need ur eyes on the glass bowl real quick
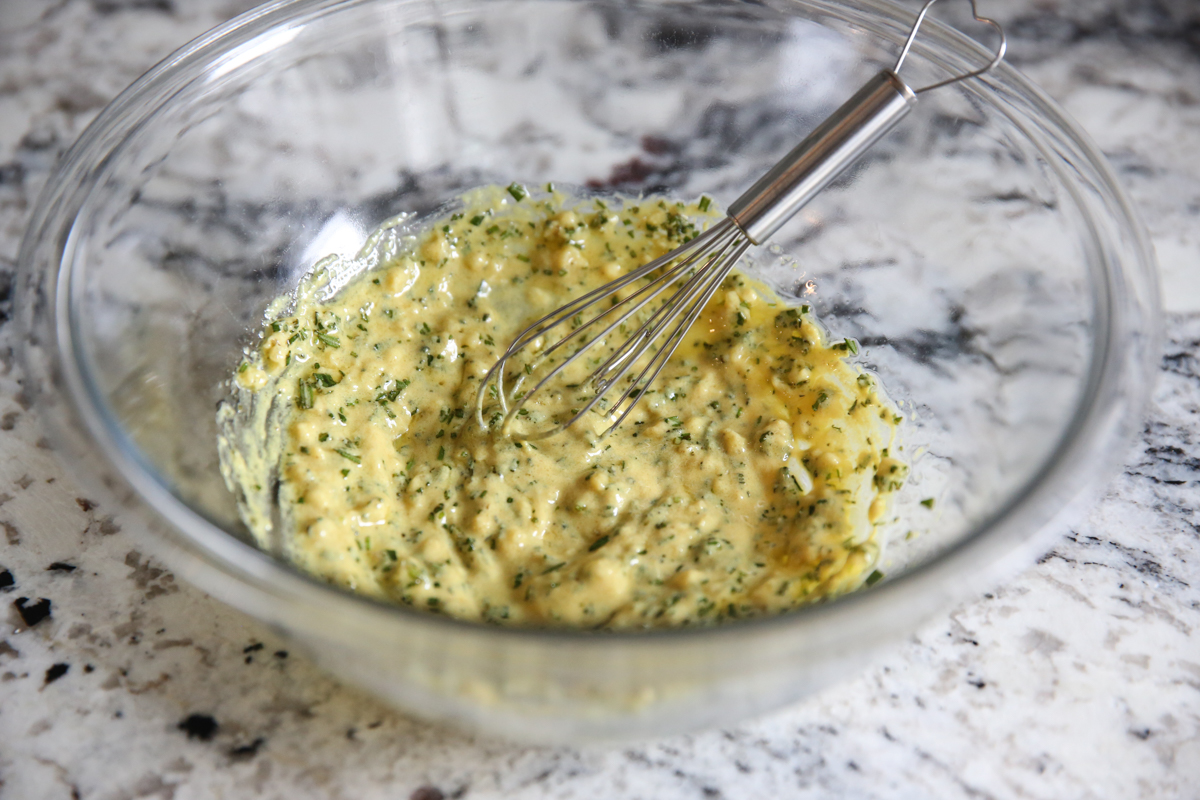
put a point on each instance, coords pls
(983, 255)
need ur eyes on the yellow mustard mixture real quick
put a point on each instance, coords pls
(751, 479)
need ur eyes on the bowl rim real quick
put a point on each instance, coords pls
(1098, 431)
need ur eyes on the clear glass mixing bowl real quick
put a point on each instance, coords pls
(983, 254)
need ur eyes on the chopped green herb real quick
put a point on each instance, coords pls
(788, 474)
(849, 345)
(327, 340)
(596, 545)
(391, 394)
(348, 456)
(519, 193)
(304, 397)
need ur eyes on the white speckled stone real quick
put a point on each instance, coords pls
(1079, 679)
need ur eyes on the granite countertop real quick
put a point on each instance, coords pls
(1080, 678)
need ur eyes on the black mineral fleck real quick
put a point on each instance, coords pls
(251, 650)
(6, 581)
(55, 672)
(199, 726)
(32, 612)
(106, 7)
(247, 751)
(60, 566)
(427, 793)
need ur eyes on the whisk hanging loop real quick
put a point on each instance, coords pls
(997, 56)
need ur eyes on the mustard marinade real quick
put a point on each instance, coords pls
(751, 479)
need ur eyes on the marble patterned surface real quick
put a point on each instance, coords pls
(1080, 678)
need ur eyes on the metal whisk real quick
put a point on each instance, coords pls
(703, 263)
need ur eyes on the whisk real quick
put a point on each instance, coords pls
(703, 262)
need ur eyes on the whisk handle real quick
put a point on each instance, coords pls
(822, 156)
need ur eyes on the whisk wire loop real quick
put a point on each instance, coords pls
(650, 329)
(628, 353)
(555, 318)
(712, 280)
(694, 256)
